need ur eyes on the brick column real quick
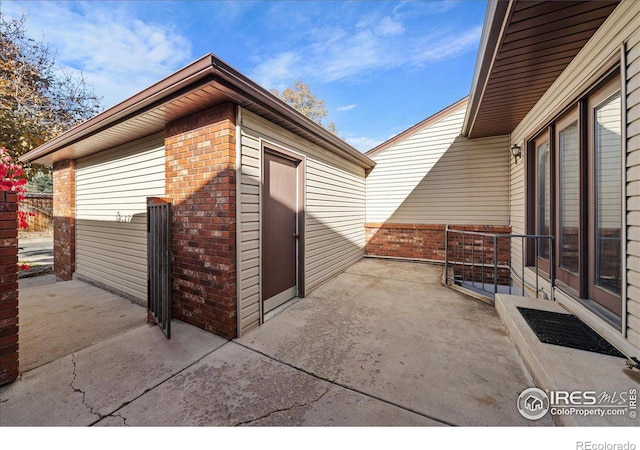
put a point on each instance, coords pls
(201, 180)
(8, 287)
(64, 219)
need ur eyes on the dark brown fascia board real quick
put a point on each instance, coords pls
(183, 77)
(418, 127)
(254, 93)
(208, 65)
(495, 21)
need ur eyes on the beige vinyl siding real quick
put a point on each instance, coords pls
(334, 212)
(622, 26)
(111, 221)
(633, 184)
(437, 177)
(249, 233)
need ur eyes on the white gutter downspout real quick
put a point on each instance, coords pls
(238, 217)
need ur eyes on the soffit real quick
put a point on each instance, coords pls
(538, 41)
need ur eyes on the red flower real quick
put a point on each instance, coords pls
(12, 178)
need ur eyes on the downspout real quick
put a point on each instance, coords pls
(509, 212)
(238, 218)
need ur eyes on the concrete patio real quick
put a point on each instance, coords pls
(381, 344)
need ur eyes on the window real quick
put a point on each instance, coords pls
(569, 233)
(577, 197)
(543, 198)
(605, 197)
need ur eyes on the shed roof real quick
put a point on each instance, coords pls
(525, 46)
(200, 85)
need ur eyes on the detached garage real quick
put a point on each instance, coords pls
(267, 204)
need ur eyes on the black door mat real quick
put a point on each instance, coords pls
(566, 330)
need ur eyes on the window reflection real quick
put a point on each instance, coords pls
(569, 165)
(544, 199)
(608, 168)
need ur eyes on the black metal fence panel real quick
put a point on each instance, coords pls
(159, 263)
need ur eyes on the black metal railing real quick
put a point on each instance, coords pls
(482, 262)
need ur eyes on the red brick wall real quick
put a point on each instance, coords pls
(200, 178)
(427, 242)
(8, 287)
(64, 222)
(415, 240)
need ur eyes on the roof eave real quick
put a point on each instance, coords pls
(257, 94)
(173, 83)
(495, 20)
(208, 65)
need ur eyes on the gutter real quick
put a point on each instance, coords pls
(225, 75)
(183, 77)
(260, 96)
(495, 23)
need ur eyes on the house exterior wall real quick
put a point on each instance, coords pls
(633, 183)
(201, 180)
(334, 211)
(431, 179)
(9, 360)
(111, 214)
(622, 26)
(64, 219)
(437, 177)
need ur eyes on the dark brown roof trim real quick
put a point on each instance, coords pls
(123, 110)
(202, 71)
(495, 20)
(419, 126)
(254, 93)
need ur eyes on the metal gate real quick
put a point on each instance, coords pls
(159, 263)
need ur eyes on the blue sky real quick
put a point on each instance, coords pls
(380, 66)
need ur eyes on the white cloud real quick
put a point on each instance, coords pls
(372, 45)
(118, 54)
(450, 47)
(347, 107)
(275, 72)
(362, 143)
(389, 27)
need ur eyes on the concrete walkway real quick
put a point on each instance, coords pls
(59, 318)
(381, 344)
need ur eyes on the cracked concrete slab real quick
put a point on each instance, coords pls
(235, 386)
(44, 397)
(80, 388)
(416, 344)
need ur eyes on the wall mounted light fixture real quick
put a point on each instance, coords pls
(516, 151)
